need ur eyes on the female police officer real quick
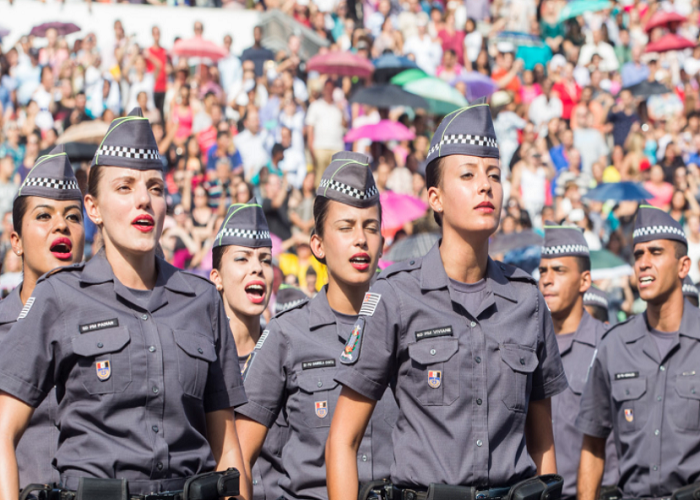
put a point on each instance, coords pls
(468, 341)
(294, 362)
(141, 354)
(47, 215)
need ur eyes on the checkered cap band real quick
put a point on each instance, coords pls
(243, 233)
(658, 230)
(50, 183)
(349, 190)
(134, 153)
(589, 298)
(473, 140)
(690, 289)
(568, 249)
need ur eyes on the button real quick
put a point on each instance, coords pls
(478, 401)
(155, 428)
(100, 345)
(656, 432)
(155, 390)
(200, 350)
(662, 368)
(658, 398)
(144, 317)
(412, 262)
(433, 352)
(151, 348)
(319, 383)
(627, 392)
(522, 361)
(159, 466)
(255, 482)
(364, 458)
(478, 359)
(472, 324)
(479, 443)
(655, 467)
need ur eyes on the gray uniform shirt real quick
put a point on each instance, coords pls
(463, 379)
(293, 370)
(652, 405)
(36, 449)
(577, 357)
(133, 385)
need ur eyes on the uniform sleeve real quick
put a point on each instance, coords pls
(27, 351)
(549, 378)
(374, 364)
(595, 416)
(224, 387)
(266, 378)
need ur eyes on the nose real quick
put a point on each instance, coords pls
(361, 237)
(143, 196)
(545, 279)
(61, 225)
(484, 183)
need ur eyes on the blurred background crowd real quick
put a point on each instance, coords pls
(596, 106)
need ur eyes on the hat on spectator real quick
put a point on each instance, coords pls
(653, 223)
(501, 98)
(51, 177)
(557, 61)
(245, 225)
(689, 288)
(595, 297)
(287, 297)
(563, 241)
(129, 143)
(467, 131)
(505, 47)
(348, 179)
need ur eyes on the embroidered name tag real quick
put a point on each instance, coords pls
(688, 374)
(99, 325)
(626, 375)
(321, 363)
(443, 331)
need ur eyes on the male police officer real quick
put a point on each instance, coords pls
(644, 384)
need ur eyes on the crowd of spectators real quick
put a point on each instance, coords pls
(259, 125)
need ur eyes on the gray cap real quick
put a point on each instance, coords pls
(348, 179)
(653, 223)
(51, 177)
(689, 288)
(595, 297)
(245, 225)
(129, 143)
(287, 297)
(563, 241)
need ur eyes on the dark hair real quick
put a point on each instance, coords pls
(217, 253)
(598, 312)
(276, 149)
(19, 208)
(94, 179)
(583, 263)
(681, 249)
(433, 178)
(222, 133)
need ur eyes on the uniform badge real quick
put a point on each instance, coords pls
(104, 370)
(352, 347)
(434, 378)
(369, 304)
(321, 409)
(27, 307)
(629, 415)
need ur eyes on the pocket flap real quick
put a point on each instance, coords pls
(101, 342)
(317, 380)
(520, 359)
(688, 387)
(427, 352)
(196, 345)
(627, 390)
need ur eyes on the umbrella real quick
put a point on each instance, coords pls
(61, 28)
(478, 85)
(341, 63)
(607, 265)
(390, 65)
(387, 96)
(579, 7)
(647, 89)
(385, 130)
(442, 98)
(398, 209)
(199, 47)
(526, 258)
(669, 42)
(518, 39)
(504, 243)
(412, 247)
(619, 191)
(90, 132)
(664, 18)
(4, 32)
(408, 76)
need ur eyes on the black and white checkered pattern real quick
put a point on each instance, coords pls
(661, 230)
(589, 297)
(50, 183)
(244, 233)
(565, 249)
(349, 190)
(474, 140)
(692, 289)
(134, 153)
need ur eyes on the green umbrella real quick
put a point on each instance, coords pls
(408, 76)
(607, 265)
(441, 96)
(579, 7)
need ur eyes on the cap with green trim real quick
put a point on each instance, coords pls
(245, 225)
(563, 241)
(129, 143)
(653, 223)
(51, 177)
(348, 179)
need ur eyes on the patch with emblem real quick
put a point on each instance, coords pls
(629, 415)
(99, 325)
(321, 409)
(369, 304)
(103, 368)
(443, 331)
(321, 363)
(261, 340)
(352, 346)
(434, 378)
(27, 307)
(626, 375)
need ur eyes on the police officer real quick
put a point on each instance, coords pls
(690, 291)
(48, 233)
(288, 296)
(644, 384)
(595, 302)
(141, 355)
(295, 361)
(468, 341)
(565, 278)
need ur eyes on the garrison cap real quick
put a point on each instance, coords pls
(245, 225)
(563, 241)
(129, 143)
(595, 297)
(689, 288)
(653, 223)
(287, 297)
(348, 179)
(467, 131)
(51, 177)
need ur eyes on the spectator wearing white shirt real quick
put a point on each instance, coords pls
(589, 141)
(230, 68)
(426, 51)
(603, 49)
(544, 107)
(294, 162)
(254, 145)
(325, 125)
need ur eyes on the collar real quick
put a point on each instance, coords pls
(689, 322)
(11, 306)
(586, 331)
(320, 312)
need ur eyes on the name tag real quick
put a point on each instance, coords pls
(626, 375)
(99, 325)
(443, 331)
(321, 363)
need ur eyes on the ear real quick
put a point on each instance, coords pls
(316, 244)
(684, 267)
(92, 209)
(16, 243)
(585, 282)
(435, 199)
(217, 279)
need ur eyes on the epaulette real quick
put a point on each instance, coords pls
(188, 273)
(296, 304)
(61, 269)
(514, 273)
(406, 265)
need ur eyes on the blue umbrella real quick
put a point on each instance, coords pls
(390, 65)
(619, 191)
(478, 85)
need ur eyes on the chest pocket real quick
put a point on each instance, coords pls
(630, 405)
(688, 415)
(518, 364)
(570, 400)
(104, 360)
(435, 371)
(318, 396)
(193, 357)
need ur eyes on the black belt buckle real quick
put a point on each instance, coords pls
(212, 485)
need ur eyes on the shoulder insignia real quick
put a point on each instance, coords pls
(370, 303)
(297, 304)
(351, 353)
(61, 269)
(406, 265)
(513, 273)
(27, 307)
(261, 340)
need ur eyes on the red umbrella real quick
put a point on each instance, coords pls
(664, 18)
(199, 47)
(669, 42)
(385, 130)
(341, 63)
(61, 28)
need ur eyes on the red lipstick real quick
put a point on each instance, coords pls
(144, 223)
(360, 261)
(61, 248)
(485, 207)
(256, 291)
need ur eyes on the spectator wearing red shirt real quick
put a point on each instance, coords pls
(505, 74)
(452, 39)
(156, 60)
(568, 90)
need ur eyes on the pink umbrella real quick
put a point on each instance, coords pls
(276, 245)
(385, 130)
(669, 42)
(664, 18)
(398, 209)
(341, 63)
(199, 47)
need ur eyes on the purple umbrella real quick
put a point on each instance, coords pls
(4, 32)
(385, 130)
(62, 28)
(478, 85)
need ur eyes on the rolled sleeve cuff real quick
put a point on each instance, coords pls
(231, 398)
(592, 428)
(551, 388)
(258, 413)
(21, 390)
(358, 382)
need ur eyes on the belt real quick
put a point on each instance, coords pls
(466, 492)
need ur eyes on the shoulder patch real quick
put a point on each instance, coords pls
(513, 273)
(351, 352)
(370, 303)
(27, 307)
(62, 269)
(297, 304)
(261, 340)
(403, 266)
